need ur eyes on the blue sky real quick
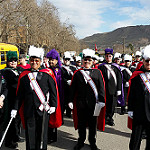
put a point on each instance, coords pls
(97, 16)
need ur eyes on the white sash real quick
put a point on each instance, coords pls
(39, 93)
(128, 71)
(68, 70)
(112, 73)
(145, 81)
(92, 84)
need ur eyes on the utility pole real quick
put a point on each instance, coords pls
(123, 44)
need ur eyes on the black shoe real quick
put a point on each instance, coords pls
(110, 123)
(122, 113)
(51, 141)
(11, 145)
(19, 139)
(78, 146)
(69, 115)
(93, 147)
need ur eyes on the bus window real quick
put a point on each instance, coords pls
(3, 58)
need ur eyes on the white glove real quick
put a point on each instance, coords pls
(118, 93)
(69, 82)
(51, 110)
(101, 104)
(130, 114)
(70, 105)
(126, 84)
(13, 113)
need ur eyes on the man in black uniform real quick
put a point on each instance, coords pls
(127, 71)
(67, 71)
(139, 103)
(37, 89)
(88, 88)
(113, 83)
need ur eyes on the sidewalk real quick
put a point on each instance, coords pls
(113, 138)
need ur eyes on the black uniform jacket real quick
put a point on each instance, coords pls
(31, 100)
(66, 75)
(12, 81)
(126, 75)
(85, 95)
(111, 88)
(139, 99)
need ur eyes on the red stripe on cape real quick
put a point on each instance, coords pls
(101, 117)
(55, 120)
(135, 73)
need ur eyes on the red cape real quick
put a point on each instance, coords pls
(135, 73)
(55, 120)
(100, 118)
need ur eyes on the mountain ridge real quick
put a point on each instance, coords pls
(119, 39)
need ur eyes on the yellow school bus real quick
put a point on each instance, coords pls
(4, 48)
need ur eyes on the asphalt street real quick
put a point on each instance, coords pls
(113, 138)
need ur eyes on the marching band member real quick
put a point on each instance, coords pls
(113, 82)
(127, 71)
(55, 64)
(87, 90)
(139, 103)
(67, 70)
(37, 91)
(11, 74)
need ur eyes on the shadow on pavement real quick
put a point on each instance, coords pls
(117, 132)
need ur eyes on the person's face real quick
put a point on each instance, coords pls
(78, 63)
(22, 60)
(67, 61)
(53, 62)
(127, 63)
(45, 60)
(117, 60)
(87, 62)
(12, 63)
(108, 58)
(146, 64)
(35, 63)
(95, 61)
(138, 58)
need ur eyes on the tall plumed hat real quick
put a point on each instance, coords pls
(67, 55)
(117, 55)
(146, 52)
(88, 53)
(54, 55)
(109, 51)
(138, 53)
(12, 55)
(36, 52)
(96, 57)
(78, 58)
(128, 57)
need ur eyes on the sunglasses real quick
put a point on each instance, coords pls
(147, 61)
(13, 59)
(67, 59)
(108, 56)
(34, 60)
(85, 59)
(127, 61)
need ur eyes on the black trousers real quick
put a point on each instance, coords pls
(111, 102)
(137, 129)
(33, 131)
(85, 117)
